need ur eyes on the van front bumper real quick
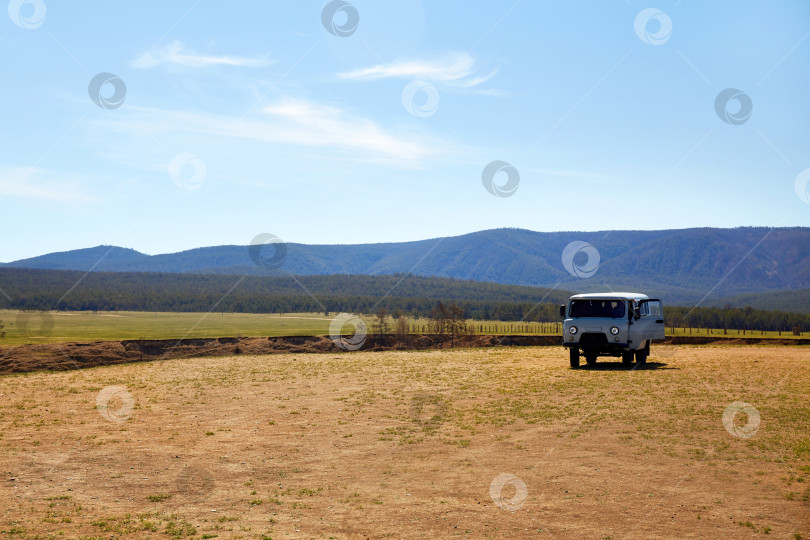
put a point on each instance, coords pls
(572, 345)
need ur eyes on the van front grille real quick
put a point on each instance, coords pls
(593, 338)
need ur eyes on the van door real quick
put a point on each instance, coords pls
(652, 319)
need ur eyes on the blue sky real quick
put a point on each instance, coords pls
(253, 118)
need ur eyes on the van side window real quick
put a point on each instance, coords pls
(654, 308)
(644, 309)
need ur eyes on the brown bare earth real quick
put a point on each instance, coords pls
(470, 443)
(74, 355)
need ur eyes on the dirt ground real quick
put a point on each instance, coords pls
(78, 355)
(702, 442)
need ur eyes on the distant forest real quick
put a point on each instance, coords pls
(416, 296)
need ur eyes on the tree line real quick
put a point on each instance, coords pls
(413, 296)
(746, 318)
(31, 289)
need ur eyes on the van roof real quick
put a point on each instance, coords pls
(611, 295)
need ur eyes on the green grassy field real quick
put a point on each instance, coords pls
(55, 327)
(731, 333)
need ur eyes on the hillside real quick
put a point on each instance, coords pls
(796, 301)
(683, 265)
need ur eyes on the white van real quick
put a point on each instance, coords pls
(611, 324)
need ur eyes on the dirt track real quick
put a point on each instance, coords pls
(412, 445)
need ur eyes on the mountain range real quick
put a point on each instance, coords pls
(704, 265)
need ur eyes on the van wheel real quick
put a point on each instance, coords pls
(574, 357)
(590, 359)
(641, 356)
(627, 357)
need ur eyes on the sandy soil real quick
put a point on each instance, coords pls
(704, 442)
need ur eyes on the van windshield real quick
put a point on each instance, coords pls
(598, 308)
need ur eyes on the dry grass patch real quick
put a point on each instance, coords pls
(479, 443)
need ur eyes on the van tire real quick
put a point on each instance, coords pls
(574, 357)
(641, 356)
(627, 357)
(590, 359)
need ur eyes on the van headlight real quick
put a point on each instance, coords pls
(573, 330)
(614, 330)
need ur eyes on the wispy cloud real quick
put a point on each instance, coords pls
(177, 53)
(460, 70)
(567, 173)
(290, 122)
(311, 124)
(40, 184)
